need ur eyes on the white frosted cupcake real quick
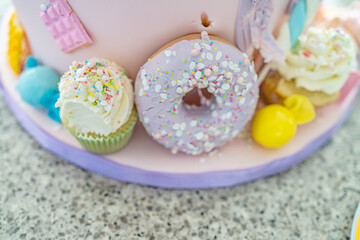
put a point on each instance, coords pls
(317, 67)
(97, 105)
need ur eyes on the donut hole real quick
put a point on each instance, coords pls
(196, 97)
(205, 20)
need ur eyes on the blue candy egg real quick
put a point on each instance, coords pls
(38, 86)
(35, 82)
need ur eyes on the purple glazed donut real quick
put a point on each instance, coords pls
(163, 81)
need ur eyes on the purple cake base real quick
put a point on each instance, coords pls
(105, 167)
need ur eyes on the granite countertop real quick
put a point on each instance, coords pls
(44, 197)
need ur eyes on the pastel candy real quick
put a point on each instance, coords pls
(64, 25)
(297, 20)
(273, 126)
(164, 80)
(301, 14)
(34, 82)
(38, 86)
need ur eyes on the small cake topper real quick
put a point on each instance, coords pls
(64, 25)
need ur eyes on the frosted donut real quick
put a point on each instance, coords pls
(196, 61)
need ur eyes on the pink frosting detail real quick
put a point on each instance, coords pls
(64, 26)
(252, 30)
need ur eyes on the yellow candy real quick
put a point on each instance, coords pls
(16, 36)
(301, 107)
(273, 126)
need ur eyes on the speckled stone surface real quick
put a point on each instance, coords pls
(44, 197)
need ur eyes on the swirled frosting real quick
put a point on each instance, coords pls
(95, 97)
(321, 61)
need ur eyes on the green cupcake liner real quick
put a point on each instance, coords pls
(108, 144)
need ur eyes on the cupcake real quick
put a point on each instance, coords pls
(97, 105)
(317, 67)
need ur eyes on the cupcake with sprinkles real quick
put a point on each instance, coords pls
(97, 105)
(317, 67)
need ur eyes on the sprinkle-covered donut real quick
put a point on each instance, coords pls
(197, 62)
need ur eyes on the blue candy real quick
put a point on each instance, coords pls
(38, 86)
(297, 21)
(31, 62)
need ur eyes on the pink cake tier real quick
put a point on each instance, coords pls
(129, 31)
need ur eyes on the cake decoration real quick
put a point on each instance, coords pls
(344, 18)
(187, 64)
(301, 108)
(275, 125)
(299, 14)
(97, 104)
(252, 30)
(64, 25)
(38, 86)
(317, 67)
(297, 19)
(322, 61)
(18, 47)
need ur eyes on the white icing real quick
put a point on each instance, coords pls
(322, 62)
(97, 103)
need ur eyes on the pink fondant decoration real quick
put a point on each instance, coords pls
(64, 26)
